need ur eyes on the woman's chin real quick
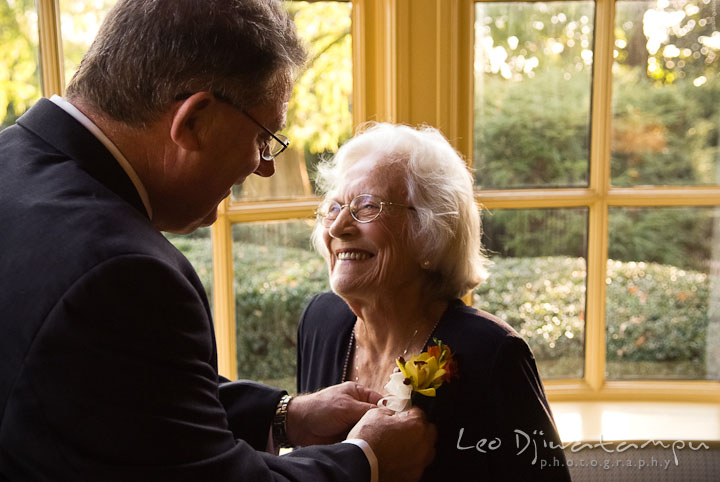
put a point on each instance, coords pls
(345, 287)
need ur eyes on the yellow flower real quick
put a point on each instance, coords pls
(427, 371)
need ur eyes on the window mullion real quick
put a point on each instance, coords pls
(595, 347)
(374, 30)
(51, 55)
(224, 293)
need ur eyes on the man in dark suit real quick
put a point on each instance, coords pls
(107, 355)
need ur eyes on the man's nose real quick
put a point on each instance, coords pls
(266, 168)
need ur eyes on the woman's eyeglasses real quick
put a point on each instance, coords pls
(364, 208)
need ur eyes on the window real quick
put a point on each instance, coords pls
(533, 83)
(319, 115)
(596, 150)
(537, 282)
(79, 23)
(273, 271)
(19, 68)
(660, 301)
(592, 127)
(276, 272)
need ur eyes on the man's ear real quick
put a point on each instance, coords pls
(186, 124)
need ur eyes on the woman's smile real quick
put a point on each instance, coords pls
(353, 255)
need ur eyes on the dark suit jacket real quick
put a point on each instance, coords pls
(490, 419)
(107, 354)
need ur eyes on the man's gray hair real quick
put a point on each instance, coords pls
(149, 52)
(447, 225)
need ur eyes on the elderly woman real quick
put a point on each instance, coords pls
(400, 230)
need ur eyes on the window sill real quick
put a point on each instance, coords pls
(636, 421)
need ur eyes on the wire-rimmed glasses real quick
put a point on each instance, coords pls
(268, 151)
(274, 146)
(364, 208)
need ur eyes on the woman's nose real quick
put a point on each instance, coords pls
(343, 224)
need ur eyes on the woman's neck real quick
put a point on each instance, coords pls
(385, 331)
(392, 328)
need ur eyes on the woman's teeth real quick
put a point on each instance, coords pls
(353, 255)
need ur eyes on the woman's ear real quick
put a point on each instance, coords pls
(188, 121)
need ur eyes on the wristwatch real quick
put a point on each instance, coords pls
(279, 426)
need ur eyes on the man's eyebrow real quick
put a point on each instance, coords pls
(273, 126)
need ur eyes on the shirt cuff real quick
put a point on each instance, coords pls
(369, 454)
(270, 445)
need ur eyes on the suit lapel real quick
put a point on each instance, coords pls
(62, 131)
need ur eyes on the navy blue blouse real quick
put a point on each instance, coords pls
(494, 422)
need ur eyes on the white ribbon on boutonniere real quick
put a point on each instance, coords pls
(399, 393)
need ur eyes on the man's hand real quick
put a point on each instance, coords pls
(404, 443)
(326, 416)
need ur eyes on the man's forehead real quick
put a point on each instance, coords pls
(283, 114)
(278, 117)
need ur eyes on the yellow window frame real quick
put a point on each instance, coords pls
(414, 65)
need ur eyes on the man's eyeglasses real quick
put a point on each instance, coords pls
(274, 146)
(268, 151)
(364, 208)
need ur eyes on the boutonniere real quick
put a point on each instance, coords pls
(421, 375)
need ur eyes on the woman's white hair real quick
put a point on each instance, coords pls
(446, 222)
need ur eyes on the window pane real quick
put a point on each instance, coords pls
(79, 22)
(533, 72)
(19, 54)
(276, 274)
(663, 298)
(666, 93)
(319, 118)
(197, 247)
(537, 282)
